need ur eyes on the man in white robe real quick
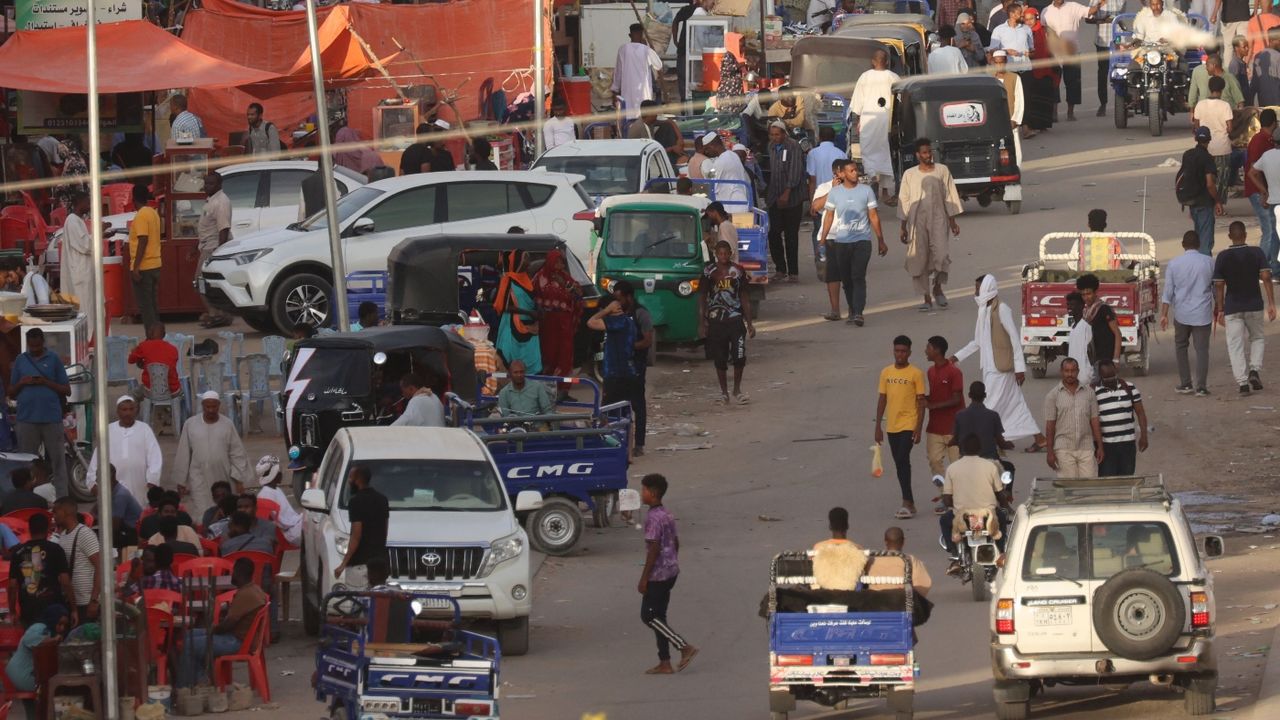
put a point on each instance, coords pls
(726, 165)
(76, 257)
(1004, 392)
(135, 454)
(209, 450)
(633, 72)
(872, 108)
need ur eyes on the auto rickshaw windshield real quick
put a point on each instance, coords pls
(335, 371)
(653, 235)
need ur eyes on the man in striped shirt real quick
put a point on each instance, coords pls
(1123, 420)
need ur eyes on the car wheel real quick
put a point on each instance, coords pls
(310, 603)
(1138, 614)
(513, 636)
(555, 527)
(261, 322)
(1200, 694)
(1013, 710)
(603, 506)
(302, 298)
(981, 590)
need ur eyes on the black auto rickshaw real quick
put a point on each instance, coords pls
(967, 118)
(353, 378)
(441, 279)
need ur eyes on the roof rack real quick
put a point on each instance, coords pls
(1049, 492)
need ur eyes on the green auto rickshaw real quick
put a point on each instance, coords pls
(655, 242)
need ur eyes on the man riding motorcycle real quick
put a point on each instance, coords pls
(1155, 23)
(972, 485)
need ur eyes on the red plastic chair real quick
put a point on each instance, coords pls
(58, 217)
(268, 509)
(221, 603)
(253, 653)
(25, 515)
(86, 518)
(264, 566)
(157, 596)
(160, 633)
(210, 547)
(39, 231)
(14, 233)
(17, 212)
(196, 566)
(4, 709)
(122, 572)
(119, 197)
(19, 527)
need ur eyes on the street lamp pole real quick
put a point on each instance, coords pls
(539, 73)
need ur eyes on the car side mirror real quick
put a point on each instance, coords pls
(362, 226)
(1213, 546)
(313, 499)
(528, 500)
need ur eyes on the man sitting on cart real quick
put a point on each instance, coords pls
(521, 398)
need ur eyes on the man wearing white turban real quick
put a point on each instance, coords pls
(209, 450)
(996, 340)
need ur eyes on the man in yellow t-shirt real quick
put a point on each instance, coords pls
(901, 408)
(144, 256)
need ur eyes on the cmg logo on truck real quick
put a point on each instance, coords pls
(531, 472)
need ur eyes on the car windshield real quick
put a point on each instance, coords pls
(605, 174)
(348, 205)
(653, 234)
(1099, 550)
(431, 484)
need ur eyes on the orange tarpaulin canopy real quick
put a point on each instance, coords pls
(343, 59)
(133, 56)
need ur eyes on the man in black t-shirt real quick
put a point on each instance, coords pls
(1197, 188)
(1234, 20)
(1238, 305)
(1102, 319)
(38, 574)
(418, 154)
(22, 496)
(369, 514)
(982, 422)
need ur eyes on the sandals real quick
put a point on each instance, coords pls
(831, 316)
(904, 514)
(1034, 447)
(924, 307)
(742, 398)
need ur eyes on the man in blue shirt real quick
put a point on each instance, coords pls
(848, 228)
(39, 383)
(1188, 290)
(125, 513)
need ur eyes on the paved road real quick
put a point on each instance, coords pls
(776, 466)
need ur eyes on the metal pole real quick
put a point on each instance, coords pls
(326, 171)
(539, 83)
(106, 556)
(764, 52)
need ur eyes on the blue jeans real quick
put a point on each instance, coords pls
(1202, 216)
(1267, 225)
(191, 665)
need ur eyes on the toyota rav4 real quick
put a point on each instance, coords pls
(1103, 584)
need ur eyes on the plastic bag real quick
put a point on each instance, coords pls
(877, 464)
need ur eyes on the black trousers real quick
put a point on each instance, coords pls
(1119, 459)
(1104, 82)
(900, 447)
(653, 612)
(630, 390)
(1071, 81)
(784, 238)
(847, 264)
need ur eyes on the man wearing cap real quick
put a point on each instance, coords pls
(1197, 188)
(725, 229)
(287, 519)
(209, 450)
(633, 72)
(784, 198)
(969, 41)
(725, 165)
(135, 454)
(870, 109)
(651, 127)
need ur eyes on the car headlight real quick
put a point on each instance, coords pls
(1154, 57)
(244, 258)
(508, 548)
(687, 288)
(607, 284)
(340, 543)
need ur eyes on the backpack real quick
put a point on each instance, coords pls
(1187, 188)
(620, 334)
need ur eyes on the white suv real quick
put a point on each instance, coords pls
(276, 279)
(452, 529)
(1103, 584)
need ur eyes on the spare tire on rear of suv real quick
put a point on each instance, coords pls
(1138, 614)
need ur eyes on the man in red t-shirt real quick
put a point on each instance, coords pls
(156, 350)
(946, 398)
(1261, 142)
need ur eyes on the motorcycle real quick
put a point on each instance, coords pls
(976, 552)
(1153, 78)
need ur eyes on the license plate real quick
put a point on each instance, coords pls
(200, 286)
(1047, 617)
(436, 604)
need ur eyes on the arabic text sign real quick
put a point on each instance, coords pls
(963, 114)
(48, 14)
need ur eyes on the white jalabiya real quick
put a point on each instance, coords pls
(135, 455)
(1003, 392)
(633, 75)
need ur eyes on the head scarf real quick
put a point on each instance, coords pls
(987, 292)
(53, 615)
(361, 159)
(554, 288)
(268, 469)
(729, 95)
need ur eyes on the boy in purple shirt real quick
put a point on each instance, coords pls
(661, 567)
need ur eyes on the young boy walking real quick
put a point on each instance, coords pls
(661, 567)
(900, 409)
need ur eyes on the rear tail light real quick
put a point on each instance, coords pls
(888, 659)
(751, 265)
(1200, 610)
(1004, 156)
(469, 708)
(1126, 320)
(1004, 617)
(793, 660)
(588, 215)
(1042, 321)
